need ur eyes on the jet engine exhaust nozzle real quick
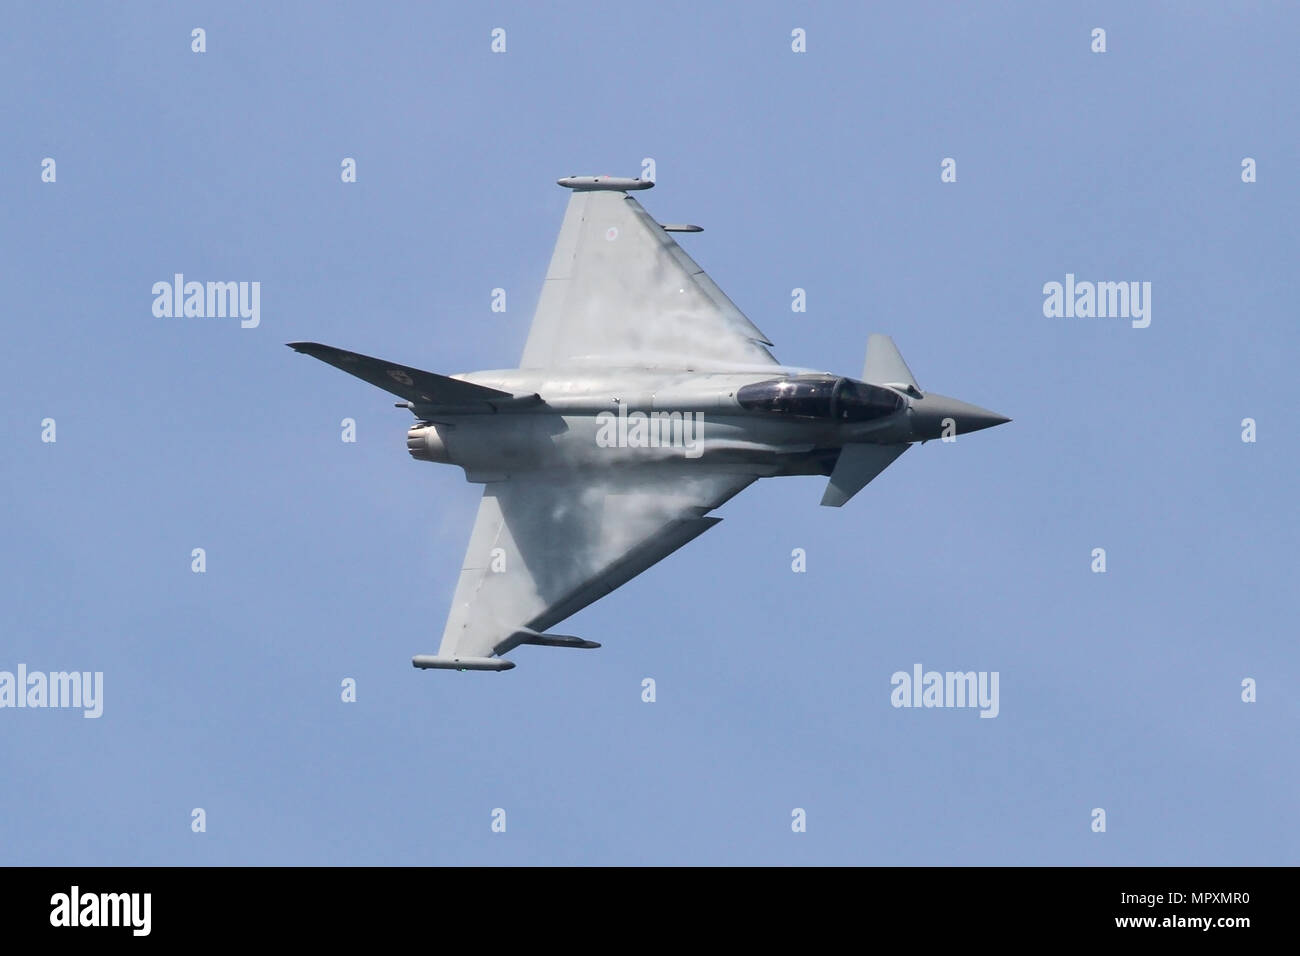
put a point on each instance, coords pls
(425, 444)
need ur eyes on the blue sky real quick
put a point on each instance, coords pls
(820, 171)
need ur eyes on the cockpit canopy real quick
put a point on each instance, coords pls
(821, 396)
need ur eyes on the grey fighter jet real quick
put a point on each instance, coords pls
(643, 401)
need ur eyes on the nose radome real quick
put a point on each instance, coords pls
(929, 416)
(977, 418)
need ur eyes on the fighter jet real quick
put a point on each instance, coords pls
(643, 401)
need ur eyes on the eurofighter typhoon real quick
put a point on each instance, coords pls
(644, 400)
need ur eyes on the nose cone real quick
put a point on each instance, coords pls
(935, 416)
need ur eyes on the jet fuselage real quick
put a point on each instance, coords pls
(789, 421)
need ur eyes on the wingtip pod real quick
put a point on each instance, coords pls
(617, 183)
(433, 662)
